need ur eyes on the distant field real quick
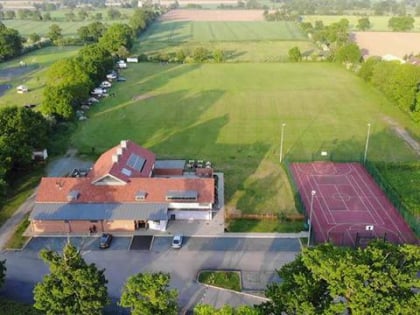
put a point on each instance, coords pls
(231, 114)
(257, 41)
(379, 23)
(26, 27)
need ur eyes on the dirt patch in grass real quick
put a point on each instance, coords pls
(213, 15)
(383, 43)
(221, 278)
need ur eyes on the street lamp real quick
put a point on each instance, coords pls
(281, 141)
(311, 208)
(367, 144)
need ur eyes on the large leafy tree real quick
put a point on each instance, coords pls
(117, 35)
(149, 294)
(10, 42)
(380, 279)
(96, 61)
(72, 287)
(67, 84)
(349, 53)
(21, 131)
(401, 23)
(55, 33)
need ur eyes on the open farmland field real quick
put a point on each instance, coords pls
(213, 15)
(26, 27)
(378, 23)
(256, 41)
(383, 43)
(231, 114)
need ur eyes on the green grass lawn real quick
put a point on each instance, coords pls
(255, 41)
(378, 23)
(223, 279)
(231, 114)
(34, 77)
(266, 226)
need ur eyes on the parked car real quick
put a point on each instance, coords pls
(121, 64)
(177, 241)
(105, 84)
(121, 79)
(111, 76)
(105, 240)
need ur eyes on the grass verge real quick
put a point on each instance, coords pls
(268, 226)
(18, 240)
(223, 279)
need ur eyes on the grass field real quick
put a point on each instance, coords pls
(33, 74)
(378, 23)
(231, 114)
(256, 41)
(223, 279)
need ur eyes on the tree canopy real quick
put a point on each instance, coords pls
(117, 35)
(401, 23)
(72, 287)
(149, 294)
(379, 279)
(10, 43)
(204, 309)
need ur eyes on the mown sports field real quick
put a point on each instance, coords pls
(231, 114)
(242, 38)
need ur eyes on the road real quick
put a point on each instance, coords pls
(257, 264)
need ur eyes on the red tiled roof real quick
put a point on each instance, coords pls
(105, 164)
(56, 189)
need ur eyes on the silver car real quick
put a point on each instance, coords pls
(177, 241)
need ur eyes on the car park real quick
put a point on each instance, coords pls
(105, 240)
(177, 241)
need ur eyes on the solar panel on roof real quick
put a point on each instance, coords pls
(181, 195)
(136, 162)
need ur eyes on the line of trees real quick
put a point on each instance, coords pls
(379, 279)
(400, 83)
(10, 43)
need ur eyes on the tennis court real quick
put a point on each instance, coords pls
(348, 206)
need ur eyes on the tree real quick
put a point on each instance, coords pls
(113, 14)
(117, 35)
(10, 15)
(218, 55)
(401, 23)
(91, 32)
(149, 294)
(95, 61)
(349, 53)
(10, 43)
(34, 37)
(72, 286)
(295, 54)
(83, 14)
(366, 70)
(55, 33)
(363, 24)
(2, 272)
(380, 279)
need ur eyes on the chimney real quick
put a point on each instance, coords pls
(124, 144)
(114, 158)
(119, 151)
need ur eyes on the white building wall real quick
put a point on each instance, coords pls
(191, 215)
(192, 205)
(154, 225)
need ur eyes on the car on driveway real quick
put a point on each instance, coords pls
(105, 240)
(177, 241)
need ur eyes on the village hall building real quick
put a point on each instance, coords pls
(125, 190)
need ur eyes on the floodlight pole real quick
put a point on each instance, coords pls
(281, 141)
(313, 193)
(367, 144)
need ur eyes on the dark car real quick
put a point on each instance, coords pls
(105, 240)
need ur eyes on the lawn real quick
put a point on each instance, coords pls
(255, 41)
(32, 75)
(223, 279)
(378, 23)
(231, 114)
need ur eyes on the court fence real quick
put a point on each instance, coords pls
(394, 197)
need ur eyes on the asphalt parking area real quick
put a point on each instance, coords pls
(83, 243)
(230, 244)
(141, 242)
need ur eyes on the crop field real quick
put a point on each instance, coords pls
(231, 114)
(256, 41)
(378, 23)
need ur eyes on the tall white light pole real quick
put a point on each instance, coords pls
(281, 141)
(313, 193)
(367, 144)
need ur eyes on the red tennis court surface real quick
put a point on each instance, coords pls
(348, 204)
